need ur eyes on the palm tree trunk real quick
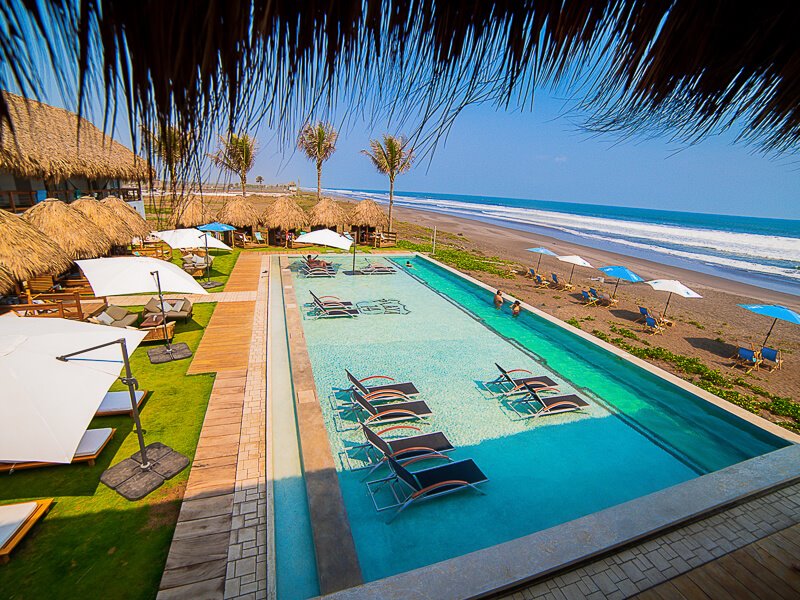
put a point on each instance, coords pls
(391, 200)
(244, 185)
(319, 180)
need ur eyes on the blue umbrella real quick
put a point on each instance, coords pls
(217, 227)
(620, 272)
(775, 311)
(541, 252)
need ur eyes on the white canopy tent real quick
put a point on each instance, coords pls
(46, 404)
(134, 275)
(190, 238)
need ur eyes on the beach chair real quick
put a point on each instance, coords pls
(603, 298)
(332, 308)
(392, 413)
(643, 314)
(588, 299)
(404, 389)
(507, 385)
(560, 284)
(774, 357)
(652, 326)
(373, 269)
(90, 447)
(407, 488)
(16, 520)
(377, 450)
(119, 403)
(531, 274)
(541, 283)
(532, 405)
(747, 358)
(317, 268)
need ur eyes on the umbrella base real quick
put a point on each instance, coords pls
(132, 482)
(210, 284)
(163, 355)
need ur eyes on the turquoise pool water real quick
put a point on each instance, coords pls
(640, 434)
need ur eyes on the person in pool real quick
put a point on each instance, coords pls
(409, 265)
(516, 308)
(498, 300)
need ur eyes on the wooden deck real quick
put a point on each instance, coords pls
(246, 273)
(226, 342)
(768, 568)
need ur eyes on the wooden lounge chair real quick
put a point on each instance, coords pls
(540, 282)
(404, 389)
(16, 520)
(603, 298)
(771, 358)
(652, 326)
(588, 299)
(747, 358)
(377, 450)
(391, 413)
(560, 284)
(119, 403)
(508, 385)
(90, 447)
(532, 405)
(407, 487)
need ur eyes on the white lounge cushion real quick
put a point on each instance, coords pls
(92, 441)
(12, 517)
(105, 318)
(117, 401)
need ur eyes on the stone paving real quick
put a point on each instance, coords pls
(638, 568)
(193, 298)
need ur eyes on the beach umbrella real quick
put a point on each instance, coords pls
(69, 228)
(190, 238)
(216, 227)
(47, 404)
(575, 261)
(124, 275)
(326, 237)
(541, 252)
(776, 311)
(620, 272)
(673, 287)
(26, 252)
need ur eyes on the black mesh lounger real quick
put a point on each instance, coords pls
(377, 449)
(398, 388)
(509, 386)
(331, 309)
(537, 406)
(400, 411)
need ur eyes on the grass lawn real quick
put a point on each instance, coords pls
(221, 267)
(94, 543)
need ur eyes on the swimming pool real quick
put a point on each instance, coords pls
(639, 434)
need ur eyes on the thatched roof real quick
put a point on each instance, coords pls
(27, 252)
(239, 212)
(45, 143)
(126, 213)
(683, 65)
(285, 213)
(6, 281)
(67, 227)
(105, 218)
(190, 212)
(329, 213)
(367, 213)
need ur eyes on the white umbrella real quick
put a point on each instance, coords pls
(574, 260)
(325, 237)
(46, 404)
(673, 287)
(190, 238)
(134, 275)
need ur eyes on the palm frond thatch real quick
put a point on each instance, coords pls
(45, 143)
(27, 252)
(105, 218)
(367, 213)
(190, 212)
(285, 213)
(126, 213)
(239, 212)
(6, 281)
(329, 213)
(67, 227)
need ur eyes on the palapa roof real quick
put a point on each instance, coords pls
(125, 212)
(105, 218)
(239, 212)
(45, 143)
(6, 281)
(328, 212)
(67, 227)
(284, 213)
(27, 252)
(190, 212)
(367, 213)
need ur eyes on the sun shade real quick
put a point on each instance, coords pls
(189, 238)
(325, 237)
(132, 275)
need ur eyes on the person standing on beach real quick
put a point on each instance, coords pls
(516, 308)
(498, 300)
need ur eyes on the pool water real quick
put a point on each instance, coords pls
(640, 434)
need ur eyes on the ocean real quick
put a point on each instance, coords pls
(759, 251)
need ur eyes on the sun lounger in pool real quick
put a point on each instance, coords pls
(390, 413)
(589, 299)
(317, 270)
(532, 405)
(16, 520)
(91, 445)
(560, 284)
(541, 283)
(406, 487)
(404, 389)
(119, 403)
(652, 326)
(377, 449)
(331, 307)
(373, 269)
(773, 358)
(747, 358)
(508, 385)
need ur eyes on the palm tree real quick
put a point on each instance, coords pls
(259, 180)
(391, 158)
(172, 146)
(236, 154)
(319, 143)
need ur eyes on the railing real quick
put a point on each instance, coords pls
(17, 201)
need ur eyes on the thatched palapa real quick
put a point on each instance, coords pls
(367, 213)
(329, 213)
(190, 212)
(45, 143)
(285, 213)
(6, 281)
(67, 227)
(239, 212)
(105, 219)
(126, 213)
(27, 252)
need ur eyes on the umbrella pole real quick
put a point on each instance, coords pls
(161, 306)
(667, 305)
(616, 285)
(354, 258)
(208, 265)
(571, 273)
(769, 333)
(539, 263)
